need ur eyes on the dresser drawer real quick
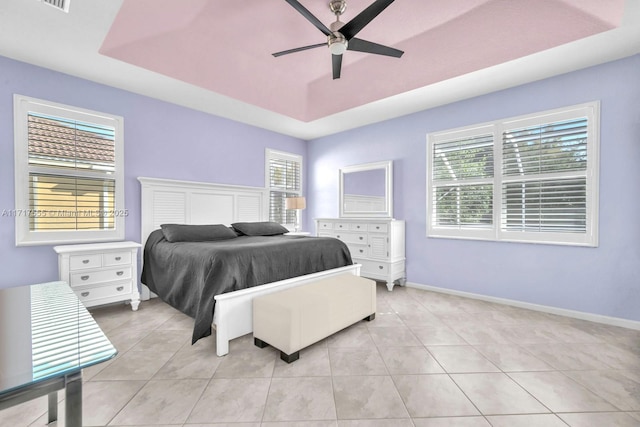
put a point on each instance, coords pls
(325, 225)
(358, 251)
(378, 228)
(338, 226)
(90, 277)
(373, 268)
(359, 238)
(116, 258)
(80, 262)
(100, 292)
(359, 226)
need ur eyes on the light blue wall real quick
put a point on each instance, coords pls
(603, 280)
(161, 140)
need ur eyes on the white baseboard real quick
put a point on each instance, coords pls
(614, 321)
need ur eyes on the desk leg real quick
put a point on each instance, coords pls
(53, 407)
(73, 400)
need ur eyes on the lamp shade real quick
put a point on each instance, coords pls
(296, 203)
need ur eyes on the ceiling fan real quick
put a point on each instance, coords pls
(341, 36)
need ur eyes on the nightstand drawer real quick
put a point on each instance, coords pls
(89, 277)
(116, 258)
(107, 291)
(79, 262)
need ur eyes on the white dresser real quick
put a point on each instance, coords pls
(101, 273)
(376, 244)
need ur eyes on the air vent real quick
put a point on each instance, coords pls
(62, 5)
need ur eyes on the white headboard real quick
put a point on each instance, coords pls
(167, 201)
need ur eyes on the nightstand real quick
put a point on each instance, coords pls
(101, 273)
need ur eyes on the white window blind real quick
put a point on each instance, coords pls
(69, 187)
(544, 177)
(284, 177)
(463, 182)
(531, 178)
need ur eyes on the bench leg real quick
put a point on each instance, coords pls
(289, 357)
(370, 318)
(259, 343)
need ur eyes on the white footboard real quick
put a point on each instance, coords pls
(233, 316)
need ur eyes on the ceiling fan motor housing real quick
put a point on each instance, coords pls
(337, 43)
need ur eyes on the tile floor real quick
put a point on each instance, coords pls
(427, 360)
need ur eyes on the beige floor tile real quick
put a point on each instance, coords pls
(564, 356)
(231, 400)
(354, 361)
(161, 402)
(367, 397)
(357, 336)
(313, 362)
(452, 422)
(461, 359)
(163, 340)
(134, 365)
(433, 396)
(560, 393)
(615, 388)
(406, 422)
(190, 364)
(247, 364)
(409, 360)
(332, 423)
(300, 399)
(102, 400)
(437, 335)
(479, 333)
(598, 419)
(635, 415)
(533, 420)
(394, 336)
(512, 358)
(24, 414)
(495, 394)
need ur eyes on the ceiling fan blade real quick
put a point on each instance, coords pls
(353, 27)
(304, 12)
(337, 65)
(298, 49)
(370, 47)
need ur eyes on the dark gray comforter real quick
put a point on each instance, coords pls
(187, 275)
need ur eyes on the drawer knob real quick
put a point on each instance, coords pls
(119, 288)
(380, 267)
(377, 227)
(338, 236)
(118, 258)
(85, 261)
(85, 294)
(361, 251)
(119, 273)
(84, 277)
(357, 226)
(361, 238)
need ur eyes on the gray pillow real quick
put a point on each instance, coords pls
(259, 228)
(196, 233)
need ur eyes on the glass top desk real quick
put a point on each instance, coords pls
(46, 338)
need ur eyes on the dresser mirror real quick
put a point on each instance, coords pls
(366, 190)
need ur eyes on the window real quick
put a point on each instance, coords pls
(69, 174)
(284, 178)
(526, 179)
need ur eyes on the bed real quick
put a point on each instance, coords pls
(192, 203)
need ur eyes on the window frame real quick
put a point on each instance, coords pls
(271, 154)
(498, 231)
(23, 105)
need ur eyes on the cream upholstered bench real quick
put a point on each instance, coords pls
(295, 318)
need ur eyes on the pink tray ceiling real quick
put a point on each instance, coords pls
(226, 46)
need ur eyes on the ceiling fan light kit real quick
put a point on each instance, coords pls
(341, 36)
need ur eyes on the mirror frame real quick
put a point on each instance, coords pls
(387, 167)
